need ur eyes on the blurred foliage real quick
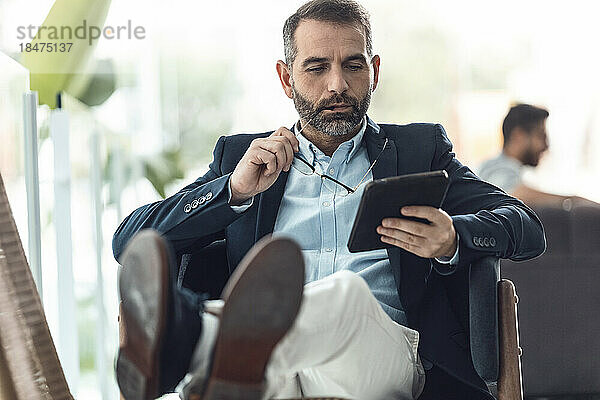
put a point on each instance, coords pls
(207, 95)
(99, 85)
(122, 169)
(55, 72)
(164, 168)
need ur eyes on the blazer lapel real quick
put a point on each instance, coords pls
(387, 165)
(268, 207)
(410, 271)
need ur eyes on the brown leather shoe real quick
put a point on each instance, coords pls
(143, 288)
(262, 299)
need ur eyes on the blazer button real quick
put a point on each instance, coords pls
(201, 200)
(486, 242)
(208, 196)
(476, 240)
(492, 242)
(195, 204)
(187, 208)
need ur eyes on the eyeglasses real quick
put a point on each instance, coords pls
(338, 188)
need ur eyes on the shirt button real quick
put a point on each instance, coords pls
(331, 170)
(328, 250)
(326, 204)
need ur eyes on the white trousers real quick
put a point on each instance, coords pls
(342, 344)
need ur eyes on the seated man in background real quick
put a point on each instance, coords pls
(525, 141)
(364, 316)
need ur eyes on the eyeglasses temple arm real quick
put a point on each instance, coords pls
(371, 167)
(348, 188)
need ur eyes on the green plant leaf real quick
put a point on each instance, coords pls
(56, 71)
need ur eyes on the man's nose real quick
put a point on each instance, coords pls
(337, 83)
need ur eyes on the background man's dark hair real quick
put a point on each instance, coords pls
(525, 116)
(343, 12)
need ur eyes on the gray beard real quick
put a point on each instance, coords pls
(338, 124)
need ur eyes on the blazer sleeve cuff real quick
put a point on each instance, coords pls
(204, 209)
(476, 240)
(239, 208)
(447, 265)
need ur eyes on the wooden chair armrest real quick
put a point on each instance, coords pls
(510, 385)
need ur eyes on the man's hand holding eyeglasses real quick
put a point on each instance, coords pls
(437, 239)
(262, 163)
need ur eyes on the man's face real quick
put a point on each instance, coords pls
(536, 146)
(331, 77)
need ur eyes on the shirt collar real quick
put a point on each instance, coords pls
(356, 141)
(307, 148)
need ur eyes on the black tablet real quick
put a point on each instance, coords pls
(385, 197)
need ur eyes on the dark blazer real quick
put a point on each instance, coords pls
(435, 297)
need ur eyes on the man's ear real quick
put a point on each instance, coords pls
(519, 136)
(375, 62)
(285, 77)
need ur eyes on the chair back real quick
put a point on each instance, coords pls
(559, 304)
(484, 275)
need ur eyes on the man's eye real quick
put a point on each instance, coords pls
(354, 67)
(315, 69)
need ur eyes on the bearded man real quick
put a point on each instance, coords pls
(301, 315)
(524, 143)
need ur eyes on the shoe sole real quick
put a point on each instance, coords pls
(262, 299)
(144, 261)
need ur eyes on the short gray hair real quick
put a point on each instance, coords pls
(342, 12)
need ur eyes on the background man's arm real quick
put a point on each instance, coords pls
(535, 197)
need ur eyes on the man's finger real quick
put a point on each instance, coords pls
(283, 131)
(402, 236)
(403, 245)
(429, 213)
(413, 227)
(264, 157)
(289, 152)
(278, 149)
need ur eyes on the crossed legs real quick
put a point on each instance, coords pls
(273, 338)
(342, 344)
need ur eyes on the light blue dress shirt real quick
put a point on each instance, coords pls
(321, 221)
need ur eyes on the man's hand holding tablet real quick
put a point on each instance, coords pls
(404, 211)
